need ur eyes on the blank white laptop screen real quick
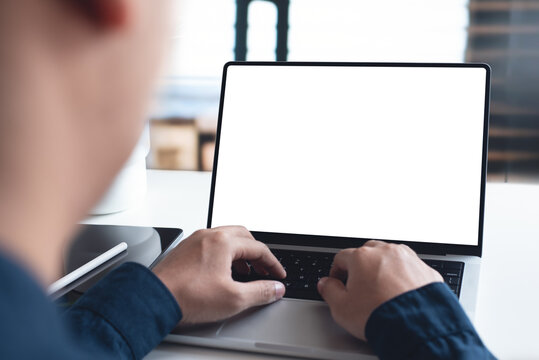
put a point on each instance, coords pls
(391, 153)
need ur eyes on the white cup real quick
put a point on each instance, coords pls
(130, 185)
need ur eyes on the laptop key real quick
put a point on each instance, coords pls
(452, 273)
(452, 280)
(435, 265)
(454, 265)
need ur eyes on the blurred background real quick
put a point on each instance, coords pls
(208, 33)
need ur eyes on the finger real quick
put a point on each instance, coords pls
(260, 292)
(241, 267)
(259, 255)
(341, 263)
(339, 273)
(332, 291)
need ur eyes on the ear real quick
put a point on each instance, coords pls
(112, 14)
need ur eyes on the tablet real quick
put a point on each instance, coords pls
(97, 249)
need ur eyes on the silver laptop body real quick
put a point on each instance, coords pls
(325, 156)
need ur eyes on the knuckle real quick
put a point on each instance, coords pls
(203, 247)
(207, 243)
(396, 249)
(402, 248)
(198, 233)
(406, 251)
(406, 248)
(243, 228)
(220, 236)
(360, 251)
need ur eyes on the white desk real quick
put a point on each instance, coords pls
(507, 316)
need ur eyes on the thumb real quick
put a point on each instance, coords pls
(261, 292)
(332, 290)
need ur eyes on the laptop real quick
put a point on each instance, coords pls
(316, 157)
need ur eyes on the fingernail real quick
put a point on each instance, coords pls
(322, 281)
(279, 290)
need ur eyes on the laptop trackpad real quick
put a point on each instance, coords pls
(292, 324)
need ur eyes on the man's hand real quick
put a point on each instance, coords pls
(198, 273)
(374, 274)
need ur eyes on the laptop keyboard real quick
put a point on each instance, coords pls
(304, 269)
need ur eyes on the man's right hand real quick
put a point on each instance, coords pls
(374, 274)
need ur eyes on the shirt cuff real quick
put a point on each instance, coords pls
(402, 326)
(136, 303)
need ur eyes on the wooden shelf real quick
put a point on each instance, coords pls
(514, 133)
(503, 5)
(512, 156)
(502, 29)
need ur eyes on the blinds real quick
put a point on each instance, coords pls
(505, 34)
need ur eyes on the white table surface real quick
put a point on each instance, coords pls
(507, 315)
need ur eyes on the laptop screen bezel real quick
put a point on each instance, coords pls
(346, 242)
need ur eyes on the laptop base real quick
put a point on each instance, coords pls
(286, 327)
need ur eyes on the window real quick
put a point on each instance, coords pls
(501, 32)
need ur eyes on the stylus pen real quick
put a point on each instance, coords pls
(86, 268)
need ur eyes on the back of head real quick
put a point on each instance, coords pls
(76, 77)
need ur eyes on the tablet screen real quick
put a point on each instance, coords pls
(145, 245)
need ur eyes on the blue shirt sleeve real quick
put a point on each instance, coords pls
(30, 326)
(126, 314)
(427, 323)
